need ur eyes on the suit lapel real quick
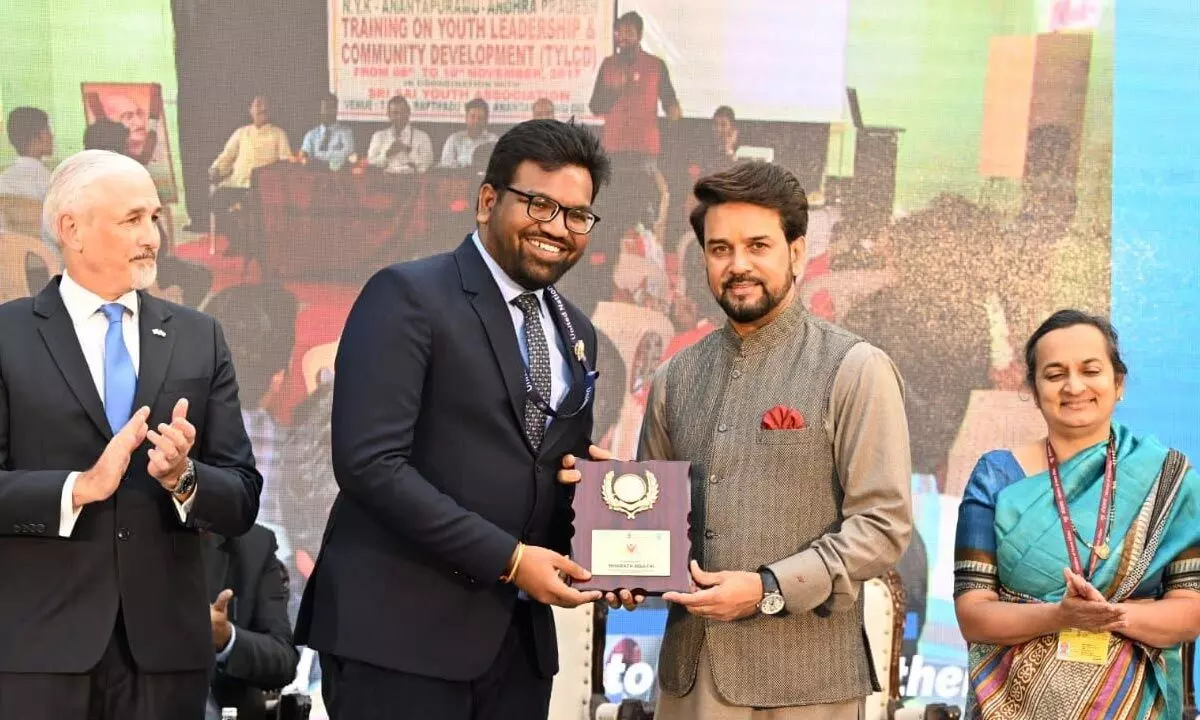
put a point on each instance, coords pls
(497, 324)
(157, 342)
(576, 387)
(58, 333)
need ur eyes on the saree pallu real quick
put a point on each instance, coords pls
(1156, 548)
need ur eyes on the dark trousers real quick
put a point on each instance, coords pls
(113, 690)
(511, 689)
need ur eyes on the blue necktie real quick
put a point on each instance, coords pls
(120, 380)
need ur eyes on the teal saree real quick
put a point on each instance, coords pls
(1010, 541)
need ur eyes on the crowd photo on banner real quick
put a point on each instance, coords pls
(890, 221)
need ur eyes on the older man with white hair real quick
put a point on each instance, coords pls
(121, 440)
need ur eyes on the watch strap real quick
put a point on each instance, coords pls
(769, 581)
(187, 481)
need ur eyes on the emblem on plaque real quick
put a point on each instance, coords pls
(629, 493)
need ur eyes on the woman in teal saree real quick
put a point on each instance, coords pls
(1077, 558)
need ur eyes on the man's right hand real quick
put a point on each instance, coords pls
(396, 148)
(538, 575)
(102, 480)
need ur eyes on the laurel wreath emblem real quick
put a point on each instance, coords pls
(630, 509)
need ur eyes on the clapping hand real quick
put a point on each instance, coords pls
(102, 480)
(218, 615)
(172, 443)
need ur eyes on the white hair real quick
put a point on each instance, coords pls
(72, 177)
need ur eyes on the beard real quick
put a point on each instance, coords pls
(144, 274)
(748, 311)
(527, 270)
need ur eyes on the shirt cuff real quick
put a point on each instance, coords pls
(224, 654)
(804, 581)
(67, 512)
(185, 507)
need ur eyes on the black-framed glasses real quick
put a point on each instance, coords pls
(544, 209)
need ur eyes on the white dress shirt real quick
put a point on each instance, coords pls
(27, 177)
(91, 327)
(418, 158)
(510, 290)
(459, 150)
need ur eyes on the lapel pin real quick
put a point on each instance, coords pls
(579, 351)
(159, 332)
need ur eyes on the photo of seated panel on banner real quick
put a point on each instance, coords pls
(965, 176)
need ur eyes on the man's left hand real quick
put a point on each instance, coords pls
(172, 443)
(218, 613)
(726, 596)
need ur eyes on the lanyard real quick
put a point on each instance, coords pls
(1099, 544)
(576, 345)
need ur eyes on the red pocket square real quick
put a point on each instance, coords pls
(782, 417)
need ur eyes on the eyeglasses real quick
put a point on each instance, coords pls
(544, 209)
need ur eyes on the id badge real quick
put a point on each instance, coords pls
(1083, 647)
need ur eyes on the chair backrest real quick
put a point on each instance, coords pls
(1189, 680)
(16, 280)
(571, 693)
(885, 606)
(21, 215)
(37, 274)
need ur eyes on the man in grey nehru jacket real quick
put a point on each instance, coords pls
(798, 441)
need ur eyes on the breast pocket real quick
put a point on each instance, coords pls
(194, 389)
(783, 437)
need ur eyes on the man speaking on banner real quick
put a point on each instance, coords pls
(120, 440)
(462, 381)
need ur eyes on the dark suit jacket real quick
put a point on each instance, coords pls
(437, 480)
(61, 595)
(263, 656)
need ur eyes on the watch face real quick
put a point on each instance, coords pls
(772, 603)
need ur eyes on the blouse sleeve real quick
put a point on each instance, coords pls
(1183, 573)
(975, 539)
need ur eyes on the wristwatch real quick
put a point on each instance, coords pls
(187, 481)
(772, 599)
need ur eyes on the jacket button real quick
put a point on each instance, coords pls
(737, 373)
(712, 479)
(722, 427)
(123, 534)
(709, 534)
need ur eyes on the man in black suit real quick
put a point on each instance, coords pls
(451, 414)
(103, 608)
(251, 633)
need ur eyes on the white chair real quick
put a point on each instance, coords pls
(571, 693)
(885, 604)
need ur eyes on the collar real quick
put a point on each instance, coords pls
(82, 303)
(510, 289)
(780, 330)
(30, 162)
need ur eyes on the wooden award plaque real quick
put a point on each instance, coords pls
(631, 525)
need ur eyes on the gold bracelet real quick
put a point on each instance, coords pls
(516, 563)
